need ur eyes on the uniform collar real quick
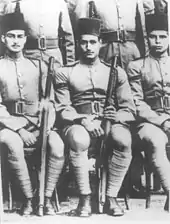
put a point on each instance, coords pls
(91, 65)
(14, 59)
(161, 59)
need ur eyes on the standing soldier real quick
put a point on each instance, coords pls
(81, 91)
(49, 29)
(150, 82)
(123, 25)
(22, 80)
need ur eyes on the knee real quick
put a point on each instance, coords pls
(121, 138)
(153, 137)
(56, 145)
(12, 141)
(78, 138)
(159, 160)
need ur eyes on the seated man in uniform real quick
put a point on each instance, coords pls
(150, 82)
(21, 82)
(79, 89)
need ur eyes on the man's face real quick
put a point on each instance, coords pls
(158, 41)
(14, 40)
(89, 46)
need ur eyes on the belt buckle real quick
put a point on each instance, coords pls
(95, 107)
(42, 43)
(19, 107)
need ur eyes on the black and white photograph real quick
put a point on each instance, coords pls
(84, 111)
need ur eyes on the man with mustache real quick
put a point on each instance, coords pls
(150, 83)
(80, 91)
(49, 29)
(22, 89)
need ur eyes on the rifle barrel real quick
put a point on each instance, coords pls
(102, 169)
(44, 136)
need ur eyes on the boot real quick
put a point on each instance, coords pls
(48, 207)
(27, 208)
(113, 208)
(83, 208)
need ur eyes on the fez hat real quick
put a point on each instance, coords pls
(156, 22)
(88, 26)
(13, 21)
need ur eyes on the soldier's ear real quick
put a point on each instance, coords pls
(100, 41)
(25, 39)
(3, 38)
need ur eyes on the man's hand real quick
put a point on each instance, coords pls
(166, 126)
(27, 137)
(110, 114)
(93, 126)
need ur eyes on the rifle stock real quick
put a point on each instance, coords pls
(102, 164)
(44, 136)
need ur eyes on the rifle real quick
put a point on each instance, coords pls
(61, 42)
(106, 124)
(44, 136)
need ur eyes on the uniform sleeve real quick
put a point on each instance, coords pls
(148, 6)
(68, 46)
(3, 4)
(62, 96)
(144, 111)
(126, 107)
(7, 6)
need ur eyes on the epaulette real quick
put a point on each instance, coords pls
(33, 60)
(139, 58)
(134, 78)
(105, 63)
(72, 64)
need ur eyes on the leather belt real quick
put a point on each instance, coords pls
(118, 36)
(42, 43)
(22, 108)
(93, 107)
(159, 103)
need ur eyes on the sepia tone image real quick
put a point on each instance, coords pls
(84, 111)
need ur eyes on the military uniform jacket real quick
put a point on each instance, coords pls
(114, 10)
(150, 83)
(80, 84)
(20, 82)
(49, 19)
(127, 15)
